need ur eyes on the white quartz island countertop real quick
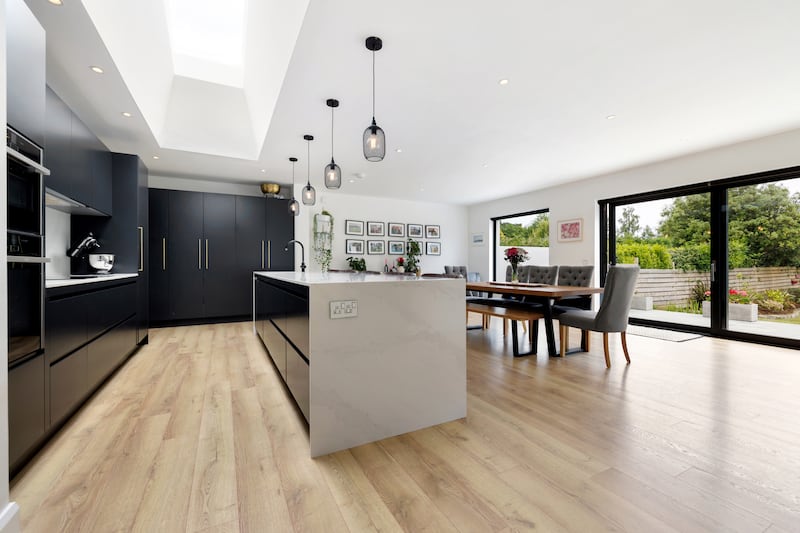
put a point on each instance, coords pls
(53, 283)
(396, 365)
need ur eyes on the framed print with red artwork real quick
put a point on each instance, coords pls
(570, 230)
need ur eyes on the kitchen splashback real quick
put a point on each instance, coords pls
(57, 240)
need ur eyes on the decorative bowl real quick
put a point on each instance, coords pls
(270, 188)
(101, 262)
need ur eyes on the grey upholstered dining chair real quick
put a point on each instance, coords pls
(574, 276)
(612, 315)
(457, 270)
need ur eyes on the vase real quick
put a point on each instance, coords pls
(514, 274)
(401, 268)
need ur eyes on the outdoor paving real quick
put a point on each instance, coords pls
(760, 327)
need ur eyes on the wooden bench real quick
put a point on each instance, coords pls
(514, 314)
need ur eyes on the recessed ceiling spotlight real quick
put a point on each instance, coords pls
(55, 2)
(96, 69)
(351, 180)
(156, 157)
(485, 165)
(611, 117)
(398, 150)
(126, 114)
(263, 170)
(503, 82)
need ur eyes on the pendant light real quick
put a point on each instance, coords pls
(294, 205)
(333, 174)
(309, 194)
(374, 138)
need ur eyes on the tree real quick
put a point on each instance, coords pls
(628, 224)
(537, 233)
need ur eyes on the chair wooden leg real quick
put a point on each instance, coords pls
(625, 347)
(563, 333)
(524, 326)
(586, 336)
(605, 349)
(505, 327)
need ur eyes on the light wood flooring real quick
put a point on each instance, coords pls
(196, 433)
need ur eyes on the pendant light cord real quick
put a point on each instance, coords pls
(308, 164)
(331, 133)
(292, 179)
(373, 85)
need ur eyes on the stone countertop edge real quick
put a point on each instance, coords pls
(319, 278)
(54, 283)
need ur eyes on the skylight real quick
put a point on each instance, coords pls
(207, 39)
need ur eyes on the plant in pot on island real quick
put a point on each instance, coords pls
(515, 256)
(357, 263)
(413, 251)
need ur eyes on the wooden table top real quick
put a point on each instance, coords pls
(532, 289)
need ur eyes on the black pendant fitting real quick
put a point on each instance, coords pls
(308, 137)
(332, 102)
(374, 43)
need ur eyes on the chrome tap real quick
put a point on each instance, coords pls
(88, 243)
(302, 253)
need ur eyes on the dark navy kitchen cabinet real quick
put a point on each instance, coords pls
(204, 249)
(25, 71)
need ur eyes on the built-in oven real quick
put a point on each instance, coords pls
(24, 187)
(24, 247)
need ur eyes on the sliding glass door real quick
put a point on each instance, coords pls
(721, 258)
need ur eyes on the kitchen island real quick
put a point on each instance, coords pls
(365, 357)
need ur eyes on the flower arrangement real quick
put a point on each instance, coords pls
(400, 261)
(515, 256)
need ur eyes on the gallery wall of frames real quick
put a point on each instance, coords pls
(372, 237)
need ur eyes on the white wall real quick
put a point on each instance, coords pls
(579, 199)
(188, 184)
(9, 511)
(451, 219)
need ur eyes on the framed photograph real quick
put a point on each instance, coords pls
(354, 246)
(432, 232)
(570, 230)
(397, 247)
(433, 248)
(376, 247)
(415, 230)
(477, 239)
(376, 229)
(354, 227)
(397, 230)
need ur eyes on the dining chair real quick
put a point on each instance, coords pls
(457, 270)
(574, 276)
(611, 317)
(546, 275)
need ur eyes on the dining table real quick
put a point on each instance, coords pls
(547, 295)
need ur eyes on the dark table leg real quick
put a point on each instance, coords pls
(548, 327)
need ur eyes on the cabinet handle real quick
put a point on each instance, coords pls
(141, 249)
(206, 254)
(199, 254)
(262, 254)
(269, 255)
(163, 253)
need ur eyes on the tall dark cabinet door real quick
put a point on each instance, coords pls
(185, 255)
(159, 262)
(143, 283)
(57, 149)
(251, 249)
(280, 230)
(219, 254)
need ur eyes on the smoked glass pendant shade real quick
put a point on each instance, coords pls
(374, 142)
(309, 195)
(294, 207)
(333, 176)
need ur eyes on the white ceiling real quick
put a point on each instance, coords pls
(679, 76)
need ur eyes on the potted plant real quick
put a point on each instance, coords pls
(413, 251)
(740, 306)
(401, 264)
(357, 263)
(323, 239)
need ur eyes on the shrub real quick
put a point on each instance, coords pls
(653, 256)
(775, 301)
(692, 257)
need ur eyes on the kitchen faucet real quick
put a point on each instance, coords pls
(86, 244)
(302, 253)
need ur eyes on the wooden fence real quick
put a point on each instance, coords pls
(675, 286)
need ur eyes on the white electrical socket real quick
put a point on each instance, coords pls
(344, 309)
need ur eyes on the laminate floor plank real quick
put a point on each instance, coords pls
(197, 433)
